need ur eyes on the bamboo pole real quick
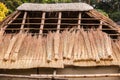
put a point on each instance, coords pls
(77, 75)
(50, 76)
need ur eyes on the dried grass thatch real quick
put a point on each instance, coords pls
(70, 47)
(55, 7)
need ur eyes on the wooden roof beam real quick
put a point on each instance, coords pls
(79, 20)
(42, 23)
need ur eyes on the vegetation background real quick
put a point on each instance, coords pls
(110, 8)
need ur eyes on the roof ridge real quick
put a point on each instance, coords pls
(55, 7)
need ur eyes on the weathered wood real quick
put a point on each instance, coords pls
(62, 18)
(10, 22)
(50, 76)
(59, 21)
(42, 22)
(23, 22)
(100, 26)
(78, 75)
(7, 19)
(79, 20)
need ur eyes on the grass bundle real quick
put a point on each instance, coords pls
(56, 45)
(49, 46)
(65, 43)
(10, 47)
(71, 41)
(18, 44)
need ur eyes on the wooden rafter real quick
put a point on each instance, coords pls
(12, 19)
(79, 20)
(59, 21)
(23, 21)
(42, 22)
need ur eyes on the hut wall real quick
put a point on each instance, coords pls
(67, 70)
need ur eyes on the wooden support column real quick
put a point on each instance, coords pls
(79, 20)
(59, 22)
(42, 23)
(100, 26)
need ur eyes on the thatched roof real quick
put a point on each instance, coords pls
(33, 36)
(55, 7)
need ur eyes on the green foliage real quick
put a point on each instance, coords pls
(3, 11)
(115, 16)
(103, 12)
(109, 6)
(12, 4)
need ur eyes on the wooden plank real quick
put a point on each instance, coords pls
(42, 22)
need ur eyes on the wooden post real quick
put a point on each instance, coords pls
(59, 22)
(42, 23)
(79, 20)
(100, 26)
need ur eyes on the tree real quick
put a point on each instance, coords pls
(3, 11)
(12, 4)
